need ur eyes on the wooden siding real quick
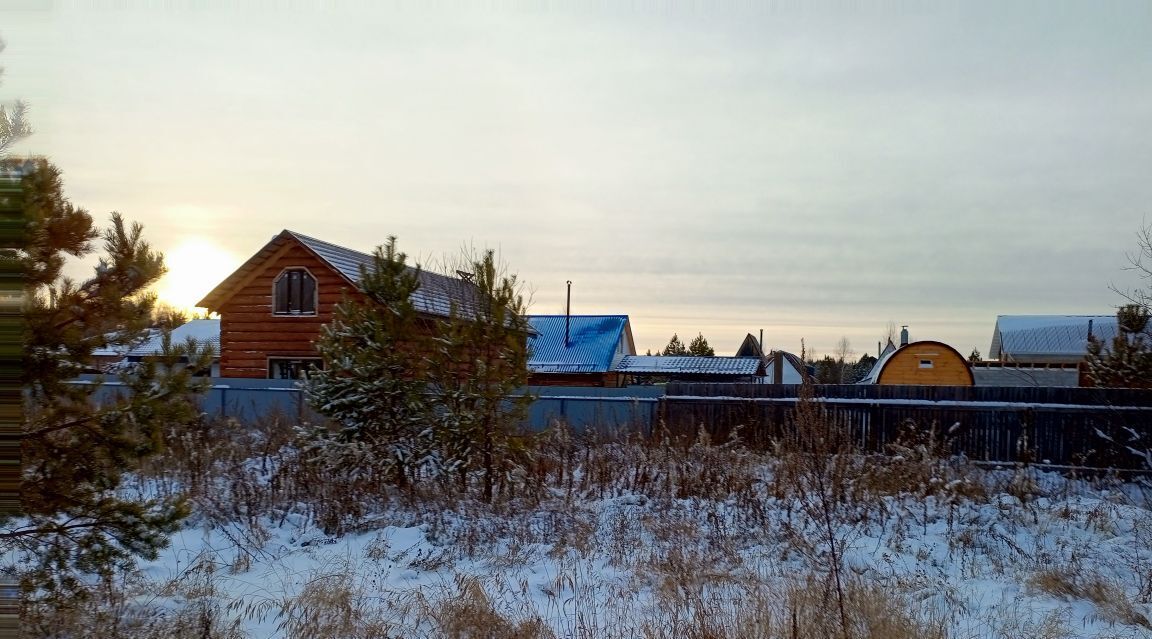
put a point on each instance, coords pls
(949, 368)
(250, 333)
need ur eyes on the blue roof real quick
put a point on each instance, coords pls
(591, 347)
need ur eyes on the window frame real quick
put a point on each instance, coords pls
(315, 293)
(318, 361)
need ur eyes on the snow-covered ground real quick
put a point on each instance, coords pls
(1067, 560)
(635, 539)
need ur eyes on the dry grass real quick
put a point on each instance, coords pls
(717, 539)
(1111, 602)
(127, 606)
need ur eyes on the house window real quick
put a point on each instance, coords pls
(925, 363)
(291, 368)
(294, 293)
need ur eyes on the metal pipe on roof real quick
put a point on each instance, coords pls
(568, 314)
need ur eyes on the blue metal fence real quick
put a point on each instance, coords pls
(582, 408)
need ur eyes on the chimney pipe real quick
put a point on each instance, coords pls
(778, 367)
(568, 314)
(761, 342)
(904, 335)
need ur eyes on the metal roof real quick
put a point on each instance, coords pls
(593, 342)
(436, 295)
(204, 331)
(688, 365)
(1013, 376)
(1038, 337)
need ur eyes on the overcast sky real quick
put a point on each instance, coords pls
(812, 172)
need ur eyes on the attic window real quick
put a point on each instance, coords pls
(294, 293)
(925, 363)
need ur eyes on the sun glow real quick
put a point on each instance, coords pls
(195, 266)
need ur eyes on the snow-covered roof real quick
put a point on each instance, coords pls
(593, 342)
(874, 374)
(1048, 337)
(436, 296)
(204, 331)
(688, 365)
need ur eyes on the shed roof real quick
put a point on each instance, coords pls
(1033, 337)
(436, 296)
(590, 348)
(688, 365)
(204, 331)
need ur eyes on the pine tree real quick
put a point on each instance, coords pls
(76, 452)
(167, 316)
(1127, 361)
(417, 397)
(974, 357)
(374, 377)
(13, 124)
(861, 368)
(483, 361)
(675, 346)
(700, 347)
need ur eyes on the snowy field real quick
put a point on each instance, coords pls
(651, 539)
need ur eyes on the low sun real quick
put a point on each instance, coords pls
(195, 266)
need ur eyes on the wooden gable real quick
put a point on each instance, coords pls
(250, 333)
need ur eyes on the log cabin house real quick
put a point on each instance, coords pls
(272, 307)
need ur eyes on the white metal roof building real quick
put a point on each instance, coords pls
(1048, 339)
(691, 367)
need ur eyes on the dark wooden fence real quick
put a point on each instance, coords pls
(1059, 426)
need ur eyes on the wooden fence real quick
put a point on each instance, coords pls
(1058, 426)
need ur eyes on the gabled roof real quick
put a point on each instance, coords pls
(750, 347)
(794, 368)
(1037, 337)
(436, 295)
(591, 347)
(204, 331)
(688, 365)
